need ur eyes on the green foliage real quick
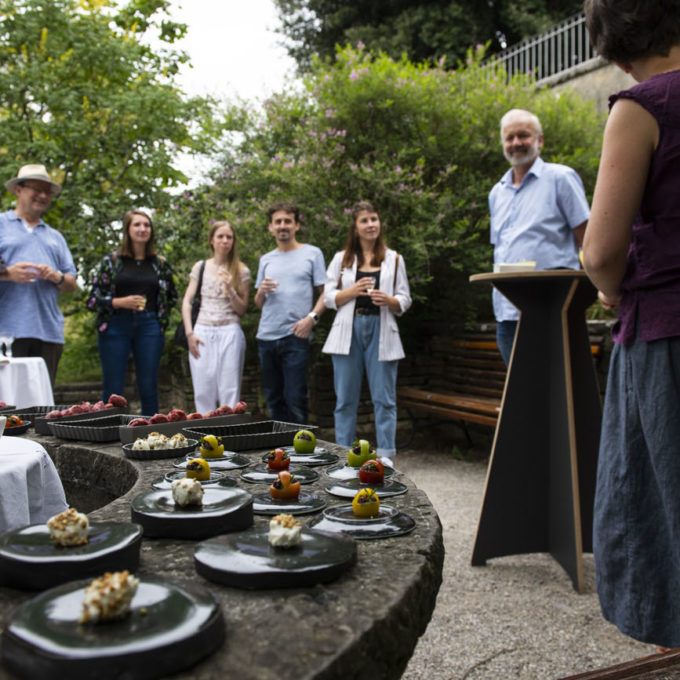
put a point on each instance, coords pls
(422, 30)
(420, 142)
(82, 92)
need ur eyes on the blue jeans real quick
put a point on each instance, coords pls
(348, 372)
(505, 337)
(140, 333)
(284, 377)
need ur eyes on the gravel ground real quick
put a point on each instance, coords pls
(517, 617)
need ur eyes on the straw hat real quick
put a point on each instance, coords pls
(32, 172)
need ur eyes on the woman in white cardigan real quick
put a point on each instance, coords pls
(367, 284)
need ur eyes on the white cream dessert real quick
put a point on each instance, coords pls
(140, 445)
(177, 441)
(157, 440)
(108, 597)
(285, 531)
(187, 491)
(68, 528)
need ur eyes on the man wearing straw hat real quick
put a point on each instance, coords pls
(36, 266)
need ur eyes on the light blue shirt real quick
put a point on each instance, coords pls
(30, 310)
(297, 272)
(534, 222)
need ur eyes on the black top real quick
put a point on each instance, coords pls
(137, 277)
(365, 300)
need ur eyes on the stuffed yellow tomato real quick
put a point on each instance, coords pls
(366, 503)
(198, 469)
(211, 446)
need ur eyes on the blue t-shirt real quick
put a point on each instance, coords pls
(30, 310)
(298, 272)
(534, 222)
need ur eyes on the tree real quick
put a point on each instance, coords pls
(82, 92)
(421, 142)
(424, 31)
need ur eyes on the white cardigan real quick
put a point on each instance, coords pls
(340, 336)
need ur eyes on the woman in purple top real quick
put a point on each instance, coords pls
(632, 254)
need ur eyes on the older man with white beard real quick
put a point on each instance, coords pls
(539, 213)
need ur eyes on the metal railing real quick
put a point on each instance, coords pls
(563, 47)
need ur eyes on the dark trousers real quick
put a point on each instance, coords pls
(49, 351)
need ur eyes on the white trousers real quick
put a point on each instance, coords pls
(217, 373)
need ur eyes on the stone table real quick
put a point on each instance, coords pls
(363, 625)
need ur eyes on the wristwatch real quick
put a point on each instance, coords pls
(314, 317)
(61, 280)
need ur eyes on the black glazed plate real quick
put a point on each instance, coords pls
(348, 488)
(216, 477)
(310, 459)
(340, 518)
(17, 429)
(264, 504)
(29, 559)
(232, 462)
(170, 628)
(246, 560)
(262, 473)
(224, 509)
(349, 472)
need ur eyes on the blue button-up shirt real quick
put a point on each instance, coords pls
(30, 310)
(534, 222)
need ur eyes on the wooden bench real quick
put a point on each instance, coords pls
(469, 387)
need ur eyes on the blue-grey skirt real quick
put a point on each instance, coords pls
(636, 540)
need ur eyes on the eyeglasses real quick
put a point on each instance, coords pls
(38, 189)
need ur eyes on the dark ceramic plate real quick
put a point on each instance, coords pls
(264, 504)
(389, 522)
(233, 462)
(17, 429)
(310, 459)
(169, 477)
(29, 560)
(262, 473)
(163, 483)
(349, 488)
(169, 629)
(317, 450)
(246, 560)
(158, 454)
(223, 510)
(349, 472)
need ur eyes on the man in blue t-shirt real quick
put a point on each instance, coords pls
(37, 267)
(539, 213)
(286, 278)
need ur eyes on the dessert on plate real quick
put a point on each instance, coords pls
(360, 453)
(108, 597)
(278, 459)
(211, 446)
(284, 531)
(198, 468)
(366, 503)
(69, 528)
(372, 472)
(304, 442)
(187, 491)
(286, 487)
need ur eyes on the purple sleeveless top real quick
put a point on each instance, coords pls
(651, 285)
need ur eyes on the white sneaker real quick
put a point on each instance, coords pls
(387, 461)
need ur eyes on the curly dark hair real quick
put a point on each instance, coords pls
(626, 30)
(289, 208)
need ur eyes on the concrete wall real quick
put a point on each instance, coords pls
(594, 80)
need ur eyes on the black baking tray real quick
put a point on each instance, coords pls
(129, 434)
(105, 429)
(41, 424)
(263, 434)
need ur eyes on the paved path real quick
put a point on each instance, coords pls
(516, 618)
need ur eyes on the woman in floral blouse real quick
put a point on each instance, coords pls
(132, 293)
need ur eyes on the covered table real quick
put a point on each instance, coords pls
(24, 381)
(30, 488)
(541, 479)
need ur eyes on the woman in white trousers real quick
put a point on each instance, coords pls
(216, 343)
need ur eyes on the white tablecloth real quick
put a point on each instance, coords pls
(30, 488)
(24, 381)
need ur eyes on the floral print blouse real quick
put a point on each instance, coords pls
(103, 289)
